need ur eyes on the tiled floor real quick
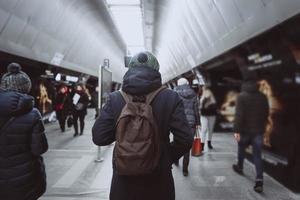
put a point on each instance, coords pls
(73, 175)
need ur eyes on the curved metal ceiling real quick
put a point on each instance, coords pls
(189, 32)
(79, 33)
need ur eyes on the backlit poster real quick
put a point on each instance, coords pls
(227, 109)
(44, 94)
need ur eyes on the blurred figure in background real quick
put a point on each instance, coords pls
(208, 110)
(191, 110)
(251, 116)
(95, 101)
(80, 104)
(87, 91)
(197, 87)
(22, 139)
(62, 106)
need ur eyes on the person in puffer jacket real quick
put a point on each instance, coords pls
(142, 78)
(22, 139)
(191, 110)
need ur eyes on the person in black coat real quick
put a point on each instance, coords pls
(79, 108)
(95, 101)
(191, 109)
(208, 110)
(62, 106)
(141, 79)
(22, 139)
(251, 116)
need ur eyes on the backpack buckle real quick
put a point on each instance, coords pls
(139, 99)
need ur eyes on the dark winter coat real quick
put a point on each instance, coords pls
(208, 106)
(190, 102)
(169, 112)
(84, 99)
(95, 99)
(210, 110)
(22, 172)
(252, 110)
(62, 103)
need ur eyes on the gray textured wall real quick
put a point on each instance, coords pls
(190, 32)
(185, 34)
(81, 30)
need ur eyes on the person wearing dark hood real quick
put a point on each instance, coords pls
(22, 139)
(141, 80)
(191, 109)
(251, 116)
(79, 111)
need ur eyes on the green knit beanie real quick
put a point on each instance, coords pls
(146, 59)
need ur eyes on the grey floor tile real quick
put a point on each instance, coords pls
(210, 176)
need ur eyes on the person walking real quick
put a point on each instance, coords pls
(208, 110)
(95, 101)
(22, 139)
(164, 113)
(80, 104)
(191, 109)
(251, 116)
(62, 105)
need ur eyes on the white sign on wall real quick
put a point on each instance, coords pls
(57, 59)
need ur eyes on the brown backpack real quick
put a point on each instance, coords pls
(137, 149)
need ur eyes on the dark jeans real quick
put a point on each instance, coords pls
(61, 116)
(186, 157)
(257, 143)
(80, 116)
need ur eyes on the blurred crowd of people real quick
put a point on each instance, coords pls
(71, 105)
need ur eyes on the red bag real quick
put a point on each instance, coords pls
(59, 107)
(197, 147)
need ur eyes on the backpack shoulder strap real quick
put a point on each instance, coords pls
(153, 94)
(126, 97)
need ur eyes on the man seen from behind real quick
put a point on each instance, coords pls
(151, 109)
(251, 115)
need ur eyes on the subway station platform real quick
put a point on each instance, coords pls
(73, 174)
(210, 43)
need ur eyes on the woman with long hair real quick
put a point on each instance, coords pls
(208, 110)
(80, 104)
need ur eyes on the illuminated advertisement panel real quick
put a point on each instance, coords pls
(44, 93)
(106, 84)
(276, 72)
